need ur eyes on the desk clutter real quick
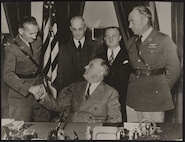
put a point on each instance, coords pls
(18, 130)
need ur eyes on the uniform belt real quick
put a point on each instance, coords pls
(27, 76)
(145, 72)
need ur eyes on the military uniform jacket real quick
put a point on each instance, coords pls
(16, 62)
(102, 106)
(72, 62)
(152, 93)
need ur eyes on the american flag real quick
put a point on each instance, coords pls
(50, 46)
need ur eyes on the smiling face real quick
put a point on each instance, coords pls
(29, 32)
(78, 28)
(137, 22)
(112, 37)
(94, 71)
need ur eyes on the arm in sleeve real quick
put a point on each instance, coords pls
(172, 62)
(113, 108)
(10, 77)
(62, 102)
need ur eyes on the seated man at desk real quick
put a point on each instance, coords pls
(87, 101)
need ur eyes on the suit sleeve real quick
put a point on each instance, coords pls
(172, 61)
(10, 77)
(113, 108)
(62, 102)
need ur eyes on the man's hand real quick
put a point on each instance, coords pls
(38, 91)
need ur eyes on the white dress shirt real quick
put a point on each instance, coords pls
(92, 87)
(115, 51)
(77, 42)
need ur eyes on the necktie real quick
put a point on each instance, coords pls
(79, 46)
(138, 43)
(88, 92)
(111, 58)
(31, 48)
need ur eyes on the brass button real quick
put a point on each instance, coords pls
(156, 92)
(138, 60)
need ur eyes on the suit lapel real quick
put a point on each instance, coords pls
(96, 95)
(119, 57)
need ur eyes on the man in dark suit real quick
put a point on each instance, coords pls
(91, 100)
(117, 58)
(75, 55)
(153, 56)
(21, 71)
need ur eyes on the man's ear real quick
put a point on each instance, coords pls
(120, 37)
(20, 30)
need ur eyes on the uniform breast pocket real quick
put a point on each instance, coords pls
(153, 54)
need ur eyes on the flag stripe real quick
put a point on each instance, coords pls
(50, 46)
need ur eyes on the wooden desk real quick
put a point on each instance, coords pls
(171, 131)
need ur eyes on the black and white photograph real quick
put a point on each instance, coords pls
(92, 70)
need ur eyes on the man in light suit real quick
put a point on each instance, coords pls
(87, 101)
(156, 68)
(119, 68)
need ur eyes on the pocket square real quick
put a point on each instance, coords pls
(126, 61)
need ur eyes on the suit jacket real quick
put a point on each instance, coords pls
(118, 73)
(72, 62)
(16, 62)
(152, 93)
(102, 105)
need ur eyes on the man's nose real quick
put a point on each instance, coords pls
(86, 67)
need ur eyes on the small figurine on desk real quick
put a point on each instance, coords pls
(60, 134)
(75, 135)
(89, 133)
(124, 134)
(52, 135)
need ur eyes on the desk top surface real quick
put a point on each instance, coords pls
(170, 131)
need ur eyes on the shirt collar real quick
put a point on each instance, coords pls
(77, 43)
(146, 34)
(24, 41)
(115, 51)
(93, 86)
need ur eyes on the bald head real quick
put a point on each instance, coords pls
(78, 27)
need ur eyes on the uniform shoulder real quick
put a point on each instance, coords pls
(11, 46)
(161, 35)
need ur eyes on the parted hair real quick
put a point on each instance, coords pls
(145, 11)
(28, 20)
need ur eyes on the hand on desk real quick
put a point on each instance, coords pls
(38, 91)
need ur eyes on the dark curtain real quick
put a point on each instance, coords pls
(177, 24)
(64, 11)
(14, 12)
(123, 8)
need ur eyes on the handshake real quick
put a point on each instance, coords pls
(38, 91)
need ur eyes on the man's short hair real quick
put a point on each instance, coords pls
(143, 10)
(28, 20)
(77, 17)
(112, 27)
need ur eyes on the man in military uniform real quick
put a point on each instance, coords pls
(21, 71)
(156, 68)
